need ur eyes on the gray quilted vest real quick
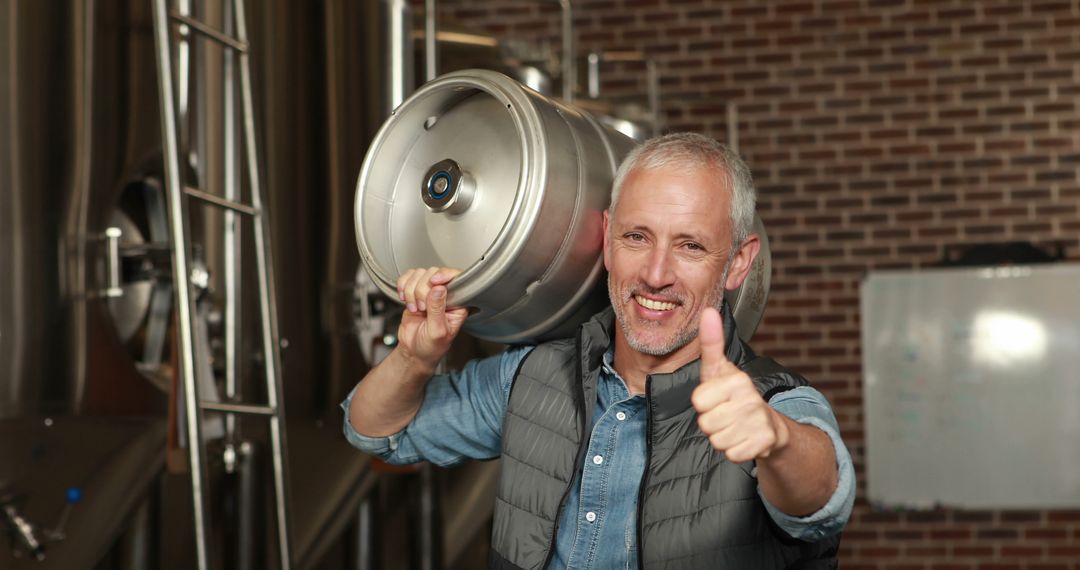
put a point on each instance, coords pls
(695, 508)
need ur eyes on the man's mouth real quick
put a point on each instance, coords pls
(654, 305)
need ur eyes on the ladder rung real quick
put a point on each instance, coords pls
(209, 32)
(238, 408)
(220, 202)
(144, 248)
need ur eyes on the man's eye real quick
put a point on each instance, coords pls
(635, 236)
(694, 246)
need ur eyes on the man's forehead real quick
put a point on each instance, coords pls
(715, 176)
(690, 218)
(696, 191)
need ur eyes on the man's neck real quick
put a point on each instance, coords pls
(635, 367)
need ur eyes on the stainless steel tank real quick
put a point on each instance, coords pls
(79, 146)
(477, 172)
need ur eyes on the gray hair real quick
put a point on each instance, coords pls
(692, 150)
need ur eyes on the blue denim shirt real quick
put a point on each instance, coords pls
(461, 418)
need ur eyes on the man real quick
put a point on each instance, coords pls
(656, 438)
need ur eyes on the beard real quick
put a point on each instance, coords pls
(621, 297)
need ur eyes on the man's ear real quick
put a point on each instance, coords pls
(607, 260)
(744, 258)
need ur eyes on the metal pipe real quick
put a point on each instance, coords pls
(367, 536)
(211, 33)
(733, 126)
(183, 69)
(400, 51)
(430, 520)
(431, 53)
(652, 82)
(220, 202)
(247, 505)
(184, 302)
(112, 262)
(594, 75)
(267, 305)
(84, 37)
(24, 534)
(232, 258)
(569, 62)
(138, 540)
(238, 408)
(431, 532)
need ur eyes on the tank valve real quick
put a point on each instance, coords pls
(25, 536)
(445, 188)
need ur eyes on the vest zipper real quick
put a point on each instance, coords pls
(577, 462)
(645, 475)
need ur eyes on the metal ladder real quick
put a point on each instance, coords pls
(177, 193)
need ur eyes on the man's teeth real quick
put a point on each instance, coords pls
(654, 305)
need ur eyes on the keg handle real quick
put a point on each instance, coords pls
(112, 262)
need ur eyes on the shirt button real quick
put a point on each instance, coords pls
(621, 416)
(590, 516)
(597, 459)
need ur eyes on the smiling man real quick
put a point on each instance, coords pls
(656, 438)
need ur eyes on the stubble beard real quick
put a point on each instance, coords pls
(682, 337)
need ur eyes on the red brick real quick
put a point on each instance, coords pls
(1063, 516)
(973, 551)
(1046, 534)
(1022, 552)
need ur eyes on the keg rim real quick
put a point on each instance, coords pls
(512, 236)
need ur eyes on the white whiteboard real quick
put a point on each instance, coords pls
(971, 387)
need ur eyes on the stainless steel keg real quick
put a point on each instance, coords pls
(478, 172)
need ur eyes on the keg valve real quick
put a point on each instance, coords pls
(445, 188)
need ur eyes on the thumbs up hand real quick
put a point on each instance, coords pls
(731, 412)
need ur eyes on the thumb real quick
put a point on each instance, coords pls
(436, 311)
(714, 361)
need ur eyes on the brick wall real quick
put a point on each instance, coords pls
(880, 132)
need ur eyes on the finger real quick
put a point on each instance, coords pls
(455, 318)
(747, 450)
(708, 395)
(410, 289)
(423, 286)
(444, 275)
(717, 419)
(727, 439)
(403, 282)
(714, 361)
(436, 312)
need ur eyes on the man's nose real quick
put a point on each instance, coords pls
(658, 272)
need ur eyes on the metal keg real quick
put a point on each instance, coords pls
(478, 172)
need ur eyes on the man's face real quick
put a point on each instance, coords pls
(666, 248)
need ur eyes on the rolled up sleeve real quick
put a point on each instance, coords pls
(460, 418)
(806, 405)
(381, 447)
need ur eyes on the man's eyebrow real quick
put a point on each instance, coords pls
(644, 228)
